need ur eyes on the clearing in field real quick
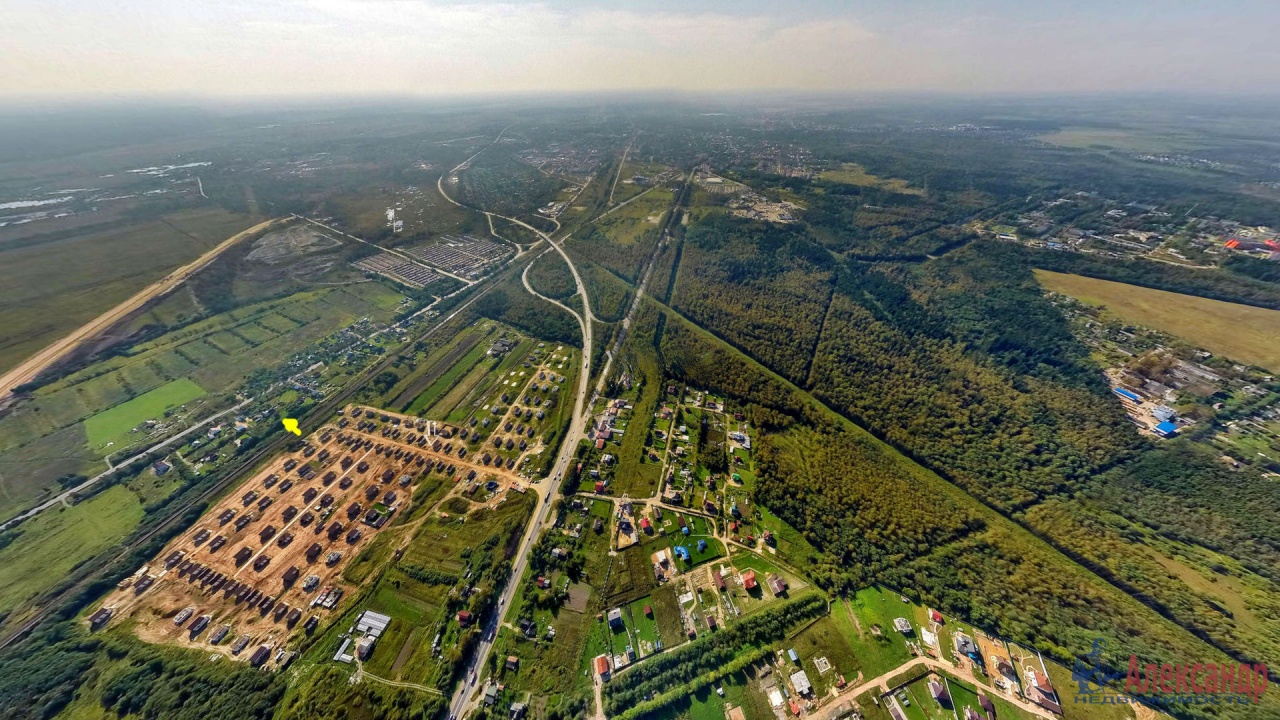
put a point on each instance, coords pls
(111, 424)
(1241, 332)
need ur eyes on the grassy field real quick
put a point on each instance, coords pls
(855, 174)
(1123, 140)
(110, 425)
(62, 429)
(448, 380)
(51, 545)
(53, 287)
(856, 617)
(1241, 332)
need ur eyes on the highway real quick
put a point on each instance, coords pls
(467, 691)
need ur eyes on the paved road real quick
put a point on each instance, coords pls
(60, 499)
(468, 685)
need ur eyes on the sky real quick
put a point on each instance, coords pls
(430, 48)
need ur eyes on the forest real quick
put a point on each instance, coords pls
(964, 366)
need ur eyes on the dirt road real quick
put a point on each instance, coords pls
(38, 363)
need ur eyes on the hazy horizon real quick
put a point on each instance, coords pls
(404, 48)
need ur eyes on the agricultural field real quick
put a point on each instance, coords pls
(69, 425)
(49, 546)
(1241, 332)
(55, 285)
(110, 425)
(1123, 140)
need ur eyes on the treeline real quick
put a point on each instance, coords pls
(1252, 267)
(1238, 286)
(154, 684)
(762, 287)
(623, 259)
(1110, 545)
(965, 366)
(550, 276)
(1182, 491)
(667, 674)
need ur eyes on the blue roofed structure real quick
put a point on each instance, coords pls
(702, 546)
(1128, 394)
(682, 552)
(1166, 429)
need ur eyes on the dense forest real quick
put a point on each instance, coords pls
(962, 364)
(874, 516)
(508, 302)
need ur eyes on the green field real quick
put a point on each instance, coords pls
(855, 174)
(51, 545)
(697, 531)
(1241, 332)
(111, 424)
(856, 616)
(53, 287)
(1127, 140)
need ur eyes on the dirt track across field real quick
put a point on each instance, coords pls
(31, 368)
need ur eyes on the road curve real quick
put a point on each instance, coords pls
(467, 689)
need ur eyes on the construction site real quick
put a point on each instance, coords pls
(267, 561)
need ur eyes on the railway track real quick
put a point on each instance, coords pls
(233, 474)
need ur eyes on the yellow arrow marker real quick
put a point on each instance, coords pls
(291, 424)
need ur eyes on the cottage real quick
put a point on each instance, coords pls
(800, 681)
(749, 580)
(939, 692)
(902, 625)
(513, 663)
(1040, 692)
(776, 583)
(464, 618)
(602, 667)
(965, 645)
(615, 618)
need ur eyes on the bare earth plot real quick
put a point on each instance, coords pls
(272, 553)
